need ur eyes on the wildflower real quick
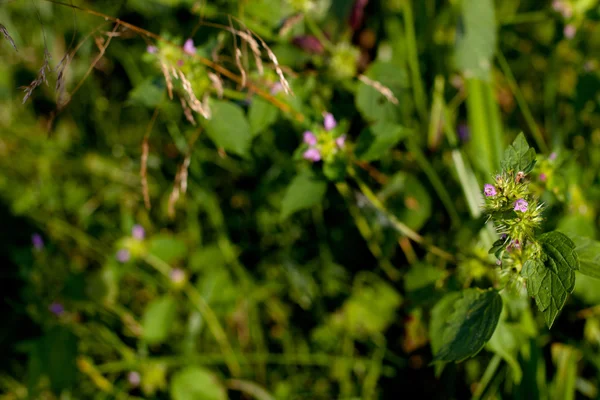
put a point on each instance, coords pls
(123, 255)
(152, 49)
(56, 309)
(570, 31)
(309, 138)
(514, 244)
(138, 232)
(312, 154)
(177, 275)
(308, 43)
(552, 156)
(340, 141)
(489, 190)
(37, 241)
(543, 177)
(188, 47)
(134, 378)
(329, 122)
(521, 205)
(464, 133)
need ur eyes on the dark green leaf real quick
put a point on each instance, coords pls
(588, 252)
(228, 128)
(196, 383)
(303, 192)
(470, 325)
(439, 318)
(552, 278)
(376, 140)
(371, 103)
(158, 319)
(261, 115)
(518, 156)
(148, 94)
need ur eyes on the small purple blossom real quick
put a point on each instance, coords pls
(340, 141)
(37, 241)
(464, 133)
(543, 177)
(521, 205)
(570, 31)
(138, 232)
(56, 309)
(123, 255)
(552, 156)
(188, 47)
(312, 154)
(329, 122)
(309, 138)
(134, 378)
(489, 190)
(309, 43)
(152, 49)
(177, 275)
(513, 245)
(276, 88)
(180, 63)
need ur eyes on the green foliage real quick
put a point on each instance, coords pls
(519, 156)
(158, 319)
(304, 191)
(469, 321)
(588, 254)
(375, 141)
(228, 128)
(552, 277)
(196, 383)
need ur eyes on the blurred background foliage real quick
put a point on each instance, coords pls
(264, 275)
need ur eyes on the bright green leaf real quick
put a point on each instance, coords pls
(470, 325)
(196, 383)
(303, 192)
(158, 319)
(518, 156)
(261, 115)
(376, 140)
(552, 278)
(228, 128)
(476, 38)
(371, 103)
(168, 248)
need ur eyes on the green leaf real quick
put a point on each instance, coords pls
(303, 192)
(261, 115)
(374, 141)
(518, 156)
(552, 278)
(470, 325)
(168, 248)
(228, 128)
(158, 319)
(148, 94)
(588, 252)
(439, 318)
(371, 103)
(408, 199)
(196, 383)
(506, 342)
(476, 38)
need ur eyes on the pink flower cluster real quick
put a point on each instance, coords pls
(313, 153)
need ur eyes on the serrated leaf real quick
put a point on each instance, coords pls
(439, 318)
(471, 324)
(374, 141)
(196, 383)
(552, 278)
(228, 128)
(588, 253)
(303, 192)
(518, 156)
(158, 319)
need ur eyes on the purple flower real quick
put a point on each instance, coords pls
(37, 241)
(521, 205)
(56, 309)
(570, 31)
(312, 154)
(123, 255)
(308, 43)
(552, 156)
(177, 275)
(180, 63)
(138, 232)
(134, 378)
(464, 133)
(276, 88)
(152, 49)
(340, 141)
(543, 177)
(188, 47)
(309, 138)
(329, 122)
(357, 14)
(489, 190)
(514, 244)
